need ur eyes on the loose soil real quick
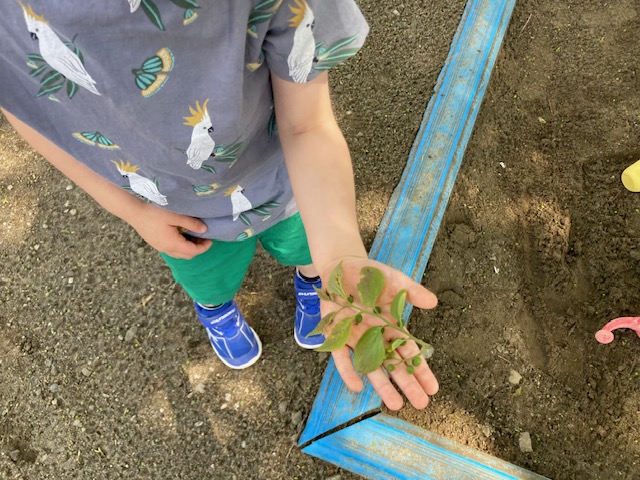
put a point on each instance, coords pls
(105, 372)
(539, 249)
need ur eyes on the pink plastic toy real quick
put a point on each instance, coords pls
(605, 335)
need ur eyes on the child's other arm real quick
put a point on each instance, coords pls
(156, 226)
(319, 166)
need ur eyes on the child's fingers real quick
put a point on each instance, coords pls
(420, 297)
(344, 366)
(422, 378)
(383, 386)
(190, 223)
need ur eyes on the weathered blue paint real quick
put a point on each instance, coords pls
(384, 447)
(339, 404)
(408, 230)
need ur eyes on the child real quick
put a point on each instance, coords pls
(198, 123)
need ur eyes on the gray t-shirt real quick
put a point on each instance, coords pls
(172, 99)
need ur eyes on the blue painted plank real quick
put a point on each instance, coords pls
(384, 447)
(340, 405)
(408, 230)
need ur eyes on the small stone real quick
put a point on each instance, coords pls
(396, 13)
(70, 280)
(53, 388)
(54, 370)
(486, 430)
(223, 406)
(131, 334)
(296, 417)
(514, 377)
(69, 187)
(48, 362)
(198, 424)
(86, 372)
(335, 477)
(44, 225)
(282, 407)
(140, 251)
(14, 455)
(227, 397)
(73, 211)
(525, 442)
(243, 444)
(77, 423)
(199, 388)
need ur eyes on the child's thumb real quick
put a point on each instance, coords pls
(193, 224)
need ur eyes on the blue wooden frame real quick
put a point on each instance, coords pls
(348, 429)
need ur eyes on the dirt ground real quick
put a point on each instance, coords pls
(104, 371)
(539, 249)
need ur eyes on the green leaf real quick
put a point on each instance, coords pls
(35, 57)
(38, 71)
(49, 90)
(322, 295)
(338, 336)
(72, 89)
(369, 352)
(335, 281)
(370, 286)
(398, 342)
(326, 320)
(151, 11)
(397, 305)
(245, 219)
(50, 78)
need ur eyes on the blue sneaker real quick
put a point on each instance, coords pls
(231, 337)
(307, 313)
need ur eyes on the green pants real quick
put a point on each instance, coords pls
(215, 276)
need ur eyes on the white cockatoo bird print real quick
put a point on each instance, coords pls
(303, 52)
(141, 185)
(239, 202)
(57, 55)
(202, 145)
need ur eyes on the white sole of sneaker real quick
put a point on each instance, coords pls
(302, 345)
(253, 360)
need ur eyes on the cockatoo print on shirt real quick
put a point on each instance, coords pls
(202, 145)
(57, 55)
(303, 52)
(141, 185)
(239, 203)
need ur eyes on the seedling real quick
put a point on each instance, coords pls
(371, 352)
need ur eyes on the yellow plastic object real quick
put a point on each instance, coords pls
(631, 177)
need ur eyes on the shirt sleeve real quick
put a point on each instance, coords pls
(306, 37)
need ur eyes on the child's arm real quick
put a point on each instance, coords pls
(320, 169)
(156, 226)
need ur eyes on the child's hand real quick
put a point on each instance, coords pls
(162, 230)
(417, 387)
